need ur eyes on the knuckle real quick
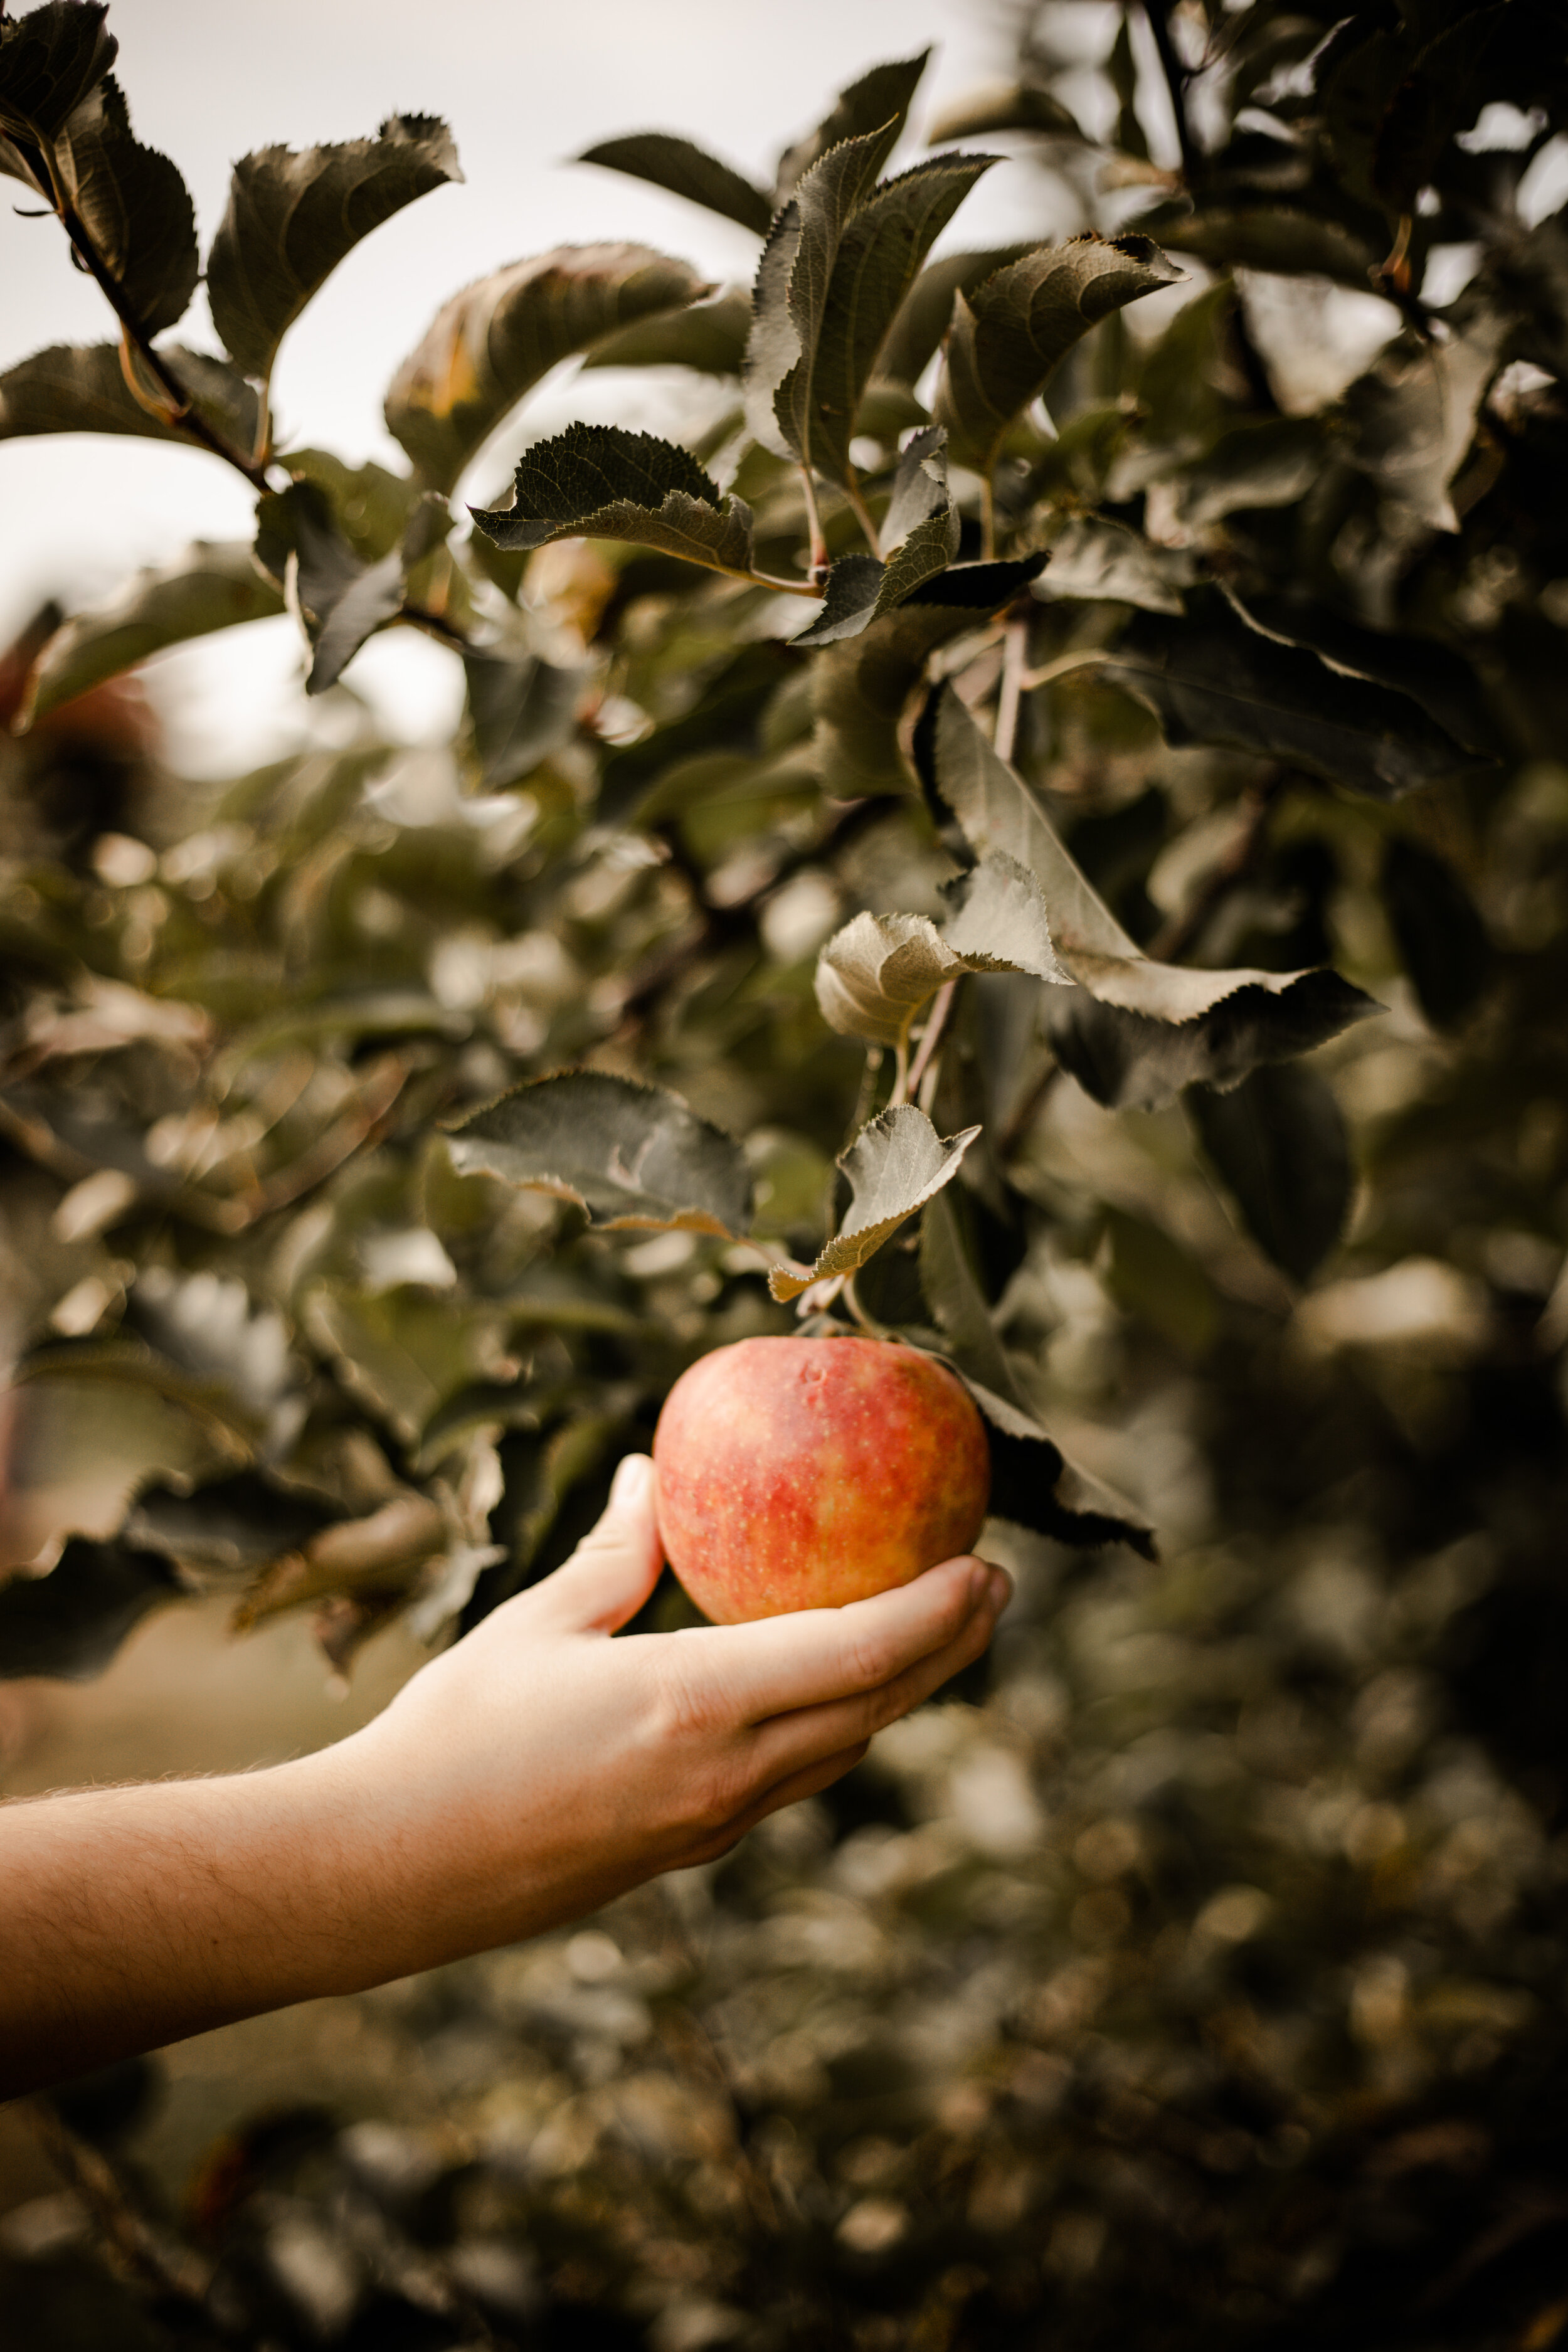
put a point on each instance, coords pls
(721, 1791)
(686, 1705)
(869, 1660)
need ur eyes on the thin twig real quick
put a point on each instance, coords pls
(987, 519)
(862, 514)
(186, 417)
(942, 1005)
(166, 2267)
(1021, 1118)
(818, 563)
(1015, 651)
(1062, 665)
(1175, 75)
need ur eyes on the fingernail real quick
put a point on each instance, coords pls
(978, 1583)
(1001, 1590)
(630, 1482)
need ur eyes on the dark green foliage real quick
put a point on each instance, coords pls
(845, 876)
(1441, 936)
(686, 170)
(292, 218)
(51, 59)
(1279, 1144)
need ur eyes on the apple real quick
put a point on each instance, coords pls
(804, 1474)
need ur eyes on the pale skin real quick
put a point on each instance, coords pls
(520, 1779)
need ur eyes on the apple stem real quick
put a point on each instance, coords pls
(869, 1323)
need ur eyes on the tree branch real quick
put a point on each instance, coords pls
(186, 415)
(1175, 74)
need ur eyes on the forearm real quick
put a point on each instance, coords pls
(129, 1917)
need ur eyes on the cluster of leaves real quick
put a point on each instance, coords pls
(386, 1130)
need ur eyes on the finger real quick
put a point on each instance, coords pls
(616, 1565)
(776, 1664)
(792, 1743)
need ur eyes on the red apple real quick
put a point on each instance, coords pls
(803, 1473)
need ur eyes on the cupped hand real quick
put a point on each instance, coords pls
(539, 1767)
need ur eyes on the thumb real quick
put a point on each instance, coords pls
(616, 1565)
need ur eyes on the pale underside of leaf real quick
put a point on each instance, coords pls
(629, 1155)
(895, 1165)
(874, 975)
(1134, 1031)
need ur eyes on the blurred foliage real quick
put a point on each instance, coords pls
(385, 1131)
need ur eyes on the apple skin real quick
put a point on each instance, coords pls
(804, 1473)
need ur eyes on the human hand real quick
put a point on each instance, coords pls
(537, 1769)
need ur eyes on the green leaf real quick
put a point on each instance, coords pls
(1133, 1031)
(877, 101)
(1216, 678)
(68, 1624)
(226, 1528)
(1093, 559)
(1413, 415)
(1006, 339)
(895, 1165)
(1273, 237)
(879, 255)
(339, 599)
(1003, 106)
(81, 388)
(686, 170)
(627, 1154)
(1278, 1143)
(599, 481)
(133, 206)
(1435, 674)
(51, 59)
(790, 299)
(873, 976)
(370, 505)
(1439, 929)
(710, 337)
(921, 533)
(1031, 1483)
(861, 693)
(1269, 463)
(292, 218)
(1150, 1276)
(494, 341)
(953, 1294)
(1035, 1486)
(211, 586)
(522, 708)
(926, 313)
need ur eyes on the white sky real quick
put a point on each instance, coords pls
(525, 86)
